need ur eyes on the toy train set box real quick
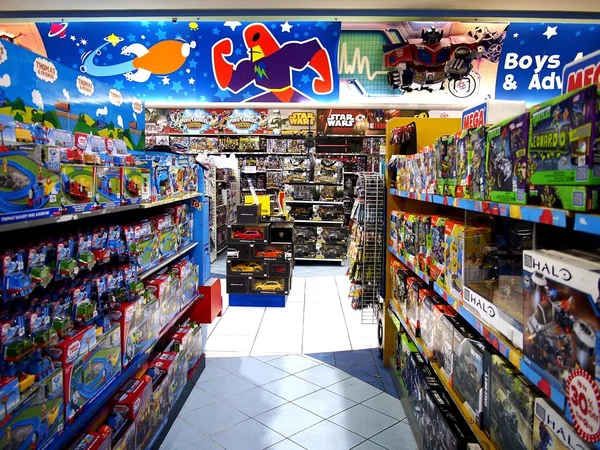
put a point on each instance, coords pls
(562, 331)
(506, 160)
(136, 185)
(78, 187)
(563, 145)
(108, 186)
(39, 416)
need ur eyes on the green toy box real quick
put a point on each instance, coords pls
(109, 181)
(563, 141)
(78, 187)
(572, 198)
(506, 160)
(477, 163)
(462, 176)
(136, 185)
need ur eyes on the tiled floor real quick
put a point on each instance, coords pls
(329, 391)
(288, 402)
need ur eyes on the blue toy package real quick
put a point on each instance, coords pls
(109, 182)
(16, 282)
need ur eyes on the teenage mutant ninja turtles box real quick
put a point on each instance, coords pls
(563, 141)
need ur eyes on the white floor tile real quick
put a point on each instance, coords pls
(363, 421)
(323, 375)
(204, 443)
(282, 343)
(291, 388)
(180, 434)
(386, 404)
(247, 435)
(327, 435)
(219, 354)
(368, 445)
(288, 419)
(398, 437)
(255, 401)
(226, 386)
(227, 343)
(197, 399)
(237, 327)
(293, 363)
(324, 403)
(355, 390)
(214, 417)
(212, 371)
(262, 374)
(267, 358)
(319, 344)
(285, 445)
(235, 364)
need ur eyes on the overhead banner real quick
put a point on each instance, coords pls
(198, 61)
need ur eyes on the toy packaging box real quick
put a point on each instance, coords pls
(269, 285)
(437, 262)
(562, 322)
(443, 164)
(249, 233)
(136, 186)
(463, 141)
(94, 440)
(37, 417)
(508, 406)
(409, 239)
(108, 186)
(477, 163)
(78, 187)
(419, 378)
(432, 307)
(563, 143)
(454, 257)
(572, 198)
(506, 160)
(443, 344)
(449, 166)
(413, 287)
(551, 431)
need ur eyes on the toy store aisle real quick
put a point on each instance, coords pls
(287, 402)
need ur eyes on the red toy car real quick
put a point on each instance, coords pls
(248, 234)
(269, 253)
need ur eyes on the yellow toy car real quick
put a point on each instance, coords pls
(247, 267)
(268, 286)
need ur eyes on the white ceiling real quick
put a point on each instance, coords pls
(360, 9)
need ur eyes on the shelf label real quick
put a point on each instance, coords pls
(583, 397)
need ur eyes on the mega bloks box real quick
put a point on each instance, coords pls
(419, 378)
(449, 165)
(432, 308)
(37, 417)
(410, 239)
(563, 142)
(444, 164)
(508, 406)
(78, 187)
(108, 186)
(437, 262)
(477, 163)
(454, 257)
(560, 307)
(572, 198)
(551, 431)
(464, 148)
(506, 160)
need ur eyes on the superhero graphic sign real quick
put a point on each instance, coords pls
(204, 62)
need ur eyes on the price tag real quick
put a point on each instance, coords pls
(583, 397)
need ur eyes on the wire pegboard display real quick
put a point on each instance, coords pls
(366, 247)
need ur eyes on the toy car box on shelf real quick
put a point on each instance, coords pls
(551, 431)
(108, 186)
(279, 268)
(301, 212)
(414, 286)
(188, 339)
(572, 198)
(249, 233)
(37, 417)
(508, 406)
(464, 148)
(432, 307)
(238, 251)
(563, 141)
(237, 285)
(270, 252)
(280, 233)
(133, 397)
(269, 285)
(94, 440)
(560, 310)
(331, 251)
(78, 187)
(306, 250)
(469, 355)
(305, 234)
(136, 186)
(92, 371)
(250, 268)
(247, 213)
(443, 424)
(507, 171)
(477, 164)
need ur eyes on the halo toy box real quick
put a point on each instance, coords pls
(572, 198)
(37, 417)
(508, 406)
(414, 286)
(563, 145)
(560, 310)
(463, 141)
(398, 274)
(432, 307)
(551, 431)
(506, 160)
(477, 163)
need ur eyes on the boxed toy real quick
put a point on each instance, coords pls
(402, 277)
(78, 187)
(331, 251)
(94, 440)
(508, 406)
(423, 242)
(108, 186)
(270, 285)
(454, 257)
(305, 234)
(409, 239)
(414, 286)
(37, 417)
(464, 148)
(563, 145)
(125, 438)
(437, 261)
(572, 198)
(133, 397)
(443, 343)
(432, 308)
(477, 163)
(332, 235)
(279, 268)
(10, 395)
(551, 431)
(249, 233)
(419, 378)
(268, 252)
(136, 186)
(168, 302)
(560, 307)
(506, 162)
(142, 244)
(237, 285)
(241, 267)
(449, 166)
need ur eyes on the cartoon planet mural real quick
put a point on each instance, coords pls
(58, 30)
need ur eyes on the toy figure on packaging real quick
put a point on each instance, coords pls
(438, 247)
(477, 164)
(108, 186)
(449, 166)
(506, 174)
(563, 144)
(454, 256)
(78, 188)
(572, 198)
(463, 150)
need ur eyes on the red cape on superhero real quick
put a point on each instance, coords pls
(270, 65)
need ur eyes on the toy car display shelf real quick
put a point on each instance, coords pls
(456, 271)
(101, 295)
(259, 260)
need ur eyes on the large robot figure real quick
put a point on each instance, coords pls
(426, 63)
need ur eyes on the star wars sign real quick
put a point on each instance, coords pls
(342, 121)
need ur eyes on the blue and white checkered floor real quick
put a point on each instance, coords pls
(305, 376)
